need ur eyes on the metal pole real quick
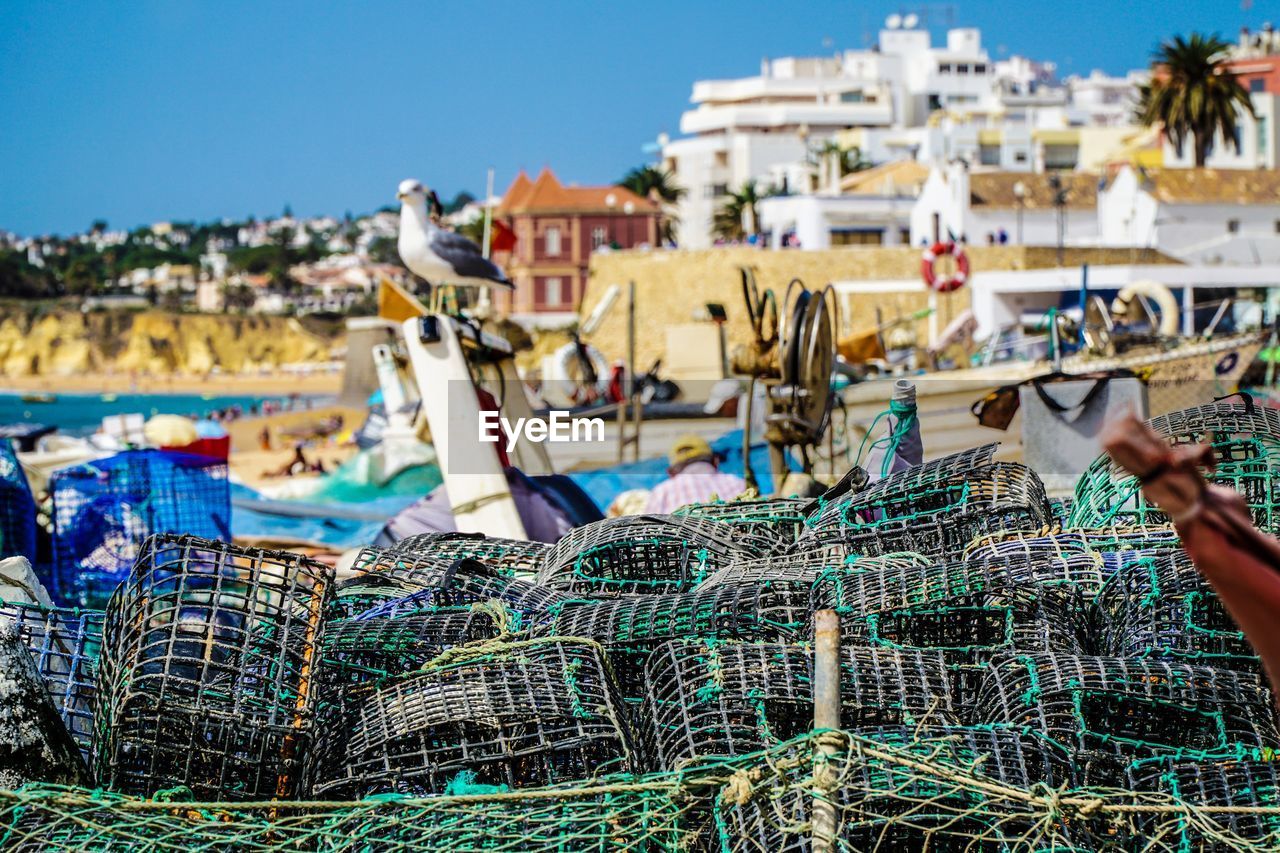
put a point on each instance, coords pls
(826, 715)
(485, 295)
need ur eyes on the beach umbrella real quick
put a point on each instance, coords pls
(170, 431)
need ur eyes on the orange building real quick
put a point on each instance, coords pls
(556, 229)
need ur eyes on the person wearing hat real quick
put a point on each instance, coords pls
(693, 477)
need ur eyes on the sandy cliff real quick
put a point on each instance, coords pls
(64, 342)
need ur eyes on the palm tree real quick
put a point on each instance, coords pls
(833, 162)
(659, 186)
(1192, 93)
(738, 217)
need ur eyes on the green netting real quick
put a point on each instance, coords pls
(1245, 439)
(887, 789)
(779, 518)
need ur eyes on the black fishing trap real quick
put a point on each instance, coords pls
(631, 628)
(1130, 708)
(777, 519)
(105, 509)
(883, 801)
(645, 554)
(520, 714)
(1244, 796)
(209, 667)
(715, 698)
(939, 517)
(1160, 606)
(65, 645)
(506, 556)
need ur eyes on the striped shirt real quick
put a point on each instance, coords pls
(698, 482)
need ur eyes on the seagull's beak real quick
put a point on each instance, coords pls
(401, 196)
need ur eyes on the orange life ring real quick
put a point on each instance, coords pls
(946, 283)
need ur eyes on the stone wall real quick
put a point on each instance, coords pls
(674, 286)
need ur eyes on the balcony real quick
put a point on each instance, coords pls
(819, 117)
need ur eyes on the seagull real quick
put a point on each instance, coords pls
(440, 256)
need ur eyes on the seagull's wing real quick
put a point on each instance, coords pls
(465, 258)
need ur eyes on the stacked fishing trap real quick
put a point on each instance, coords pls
(1014, 674)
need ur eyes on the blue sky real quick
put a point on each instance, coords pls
(141, 111)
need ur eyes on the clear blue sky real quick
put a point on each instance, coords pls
(140, 111)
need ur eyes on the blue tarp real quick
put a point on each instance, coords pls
(253, 515)
(605, 484)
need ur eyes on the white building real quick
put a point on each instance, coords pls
(904, 99)
(958, 204)
(873, 209)
(1257, 145)
(1208, 216)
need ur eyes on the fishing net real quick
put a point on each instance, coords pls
(644, 554)
(713, 698)
(796, 568)
(1160, 606)
(1106, 541)
(887, 803)
(779, 519)
(938, 518)
(17, 507)
(931, 788)
(1245, 440)
(65, 645)
(208, 666)
(631, 628)
(518, 714)
(1130, 708)
(103, 511)
(506, 556)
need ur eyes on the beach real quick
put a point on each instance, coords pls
(272, 384)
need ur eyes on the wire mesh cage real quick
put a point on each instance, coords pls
(506, 556)
(209, 663)
(631, 628)
(881, 800)
(104, 510)
(1244, 793)
(358, 652)
(1246, 443)
(779, 519)
(644, 554)
(34, 744)
(1159, 606)
(1131, 708)
(413, 584)
(797, 568)
(65, 645)
(911, 480)
(520, 714)
(940, 518)
(712, 698)
(17, 507)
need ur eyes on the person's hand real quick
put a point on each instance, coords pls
(1170, 475)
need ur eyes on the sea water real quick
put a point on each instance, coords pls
(82, 414)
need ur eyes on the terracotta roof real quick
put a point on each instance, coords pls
(548, 194)
(1213, 186)
(518, 190)
(900, 178)
(995, 189)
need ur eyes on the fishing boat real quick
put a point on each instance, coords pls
(39, 397)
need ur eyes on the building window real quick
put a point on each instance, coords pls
(1278, 226)
(962, 68)
(1233, 226)
(935, 102)
(717, 190)
(1257, 84)
(1020, 157)
(852, 97)
(599, 236)
(944, 67)
(989, 155)
(554, 298)
(551, 243)
(1262, 136)
(857, 236)
(979, 68)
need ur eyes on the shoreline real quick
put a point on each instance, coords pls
(276, 384)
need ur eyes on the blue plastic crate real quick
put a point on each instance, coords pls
(104, 510)
(17, 507)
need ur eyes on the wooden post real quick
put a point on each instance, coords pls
(826, 715)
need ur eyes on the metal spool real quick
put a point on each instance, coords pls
(209, 668)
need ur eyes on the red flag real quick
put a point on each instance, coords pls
(501, 238)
